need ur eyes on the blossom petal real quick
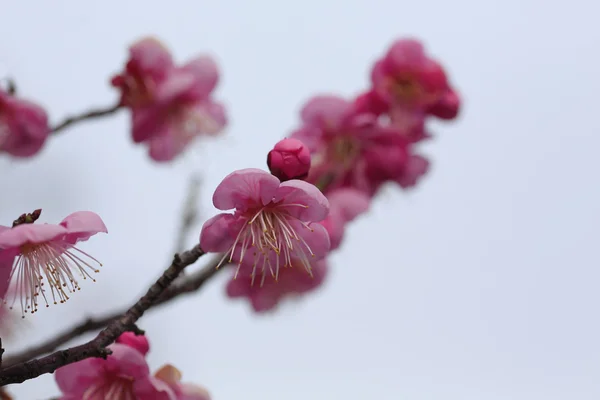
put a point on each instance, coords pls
(7, 259)
(349, 202)
(215, 236)
(324, 110)
(153, 389)
(30, 233)
(316, 238)
(245, 188)
(151, 56)
(302, 200)
(213, 117)
(82, 225)
(178, 85)
(206, 74)
(127, 361)
(74, 379)
(416, 167)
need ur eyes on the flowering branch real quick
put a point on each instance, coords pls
(88, 115)
(189, 216)
(21, 372)
(188, 285)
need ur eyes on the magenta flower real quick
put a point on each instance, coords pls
(124, 375)
(171, 106)
(289, 159)
(47, 259)
(138, 342)
(292, 282)
(274, 225)
(183, 391)
(23, 126)
(148, 66)
(350, 148)
(344, 206)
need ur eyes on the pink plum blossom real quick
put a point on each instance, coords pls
(293, 281)
(412, 84)
(138, 342)
(171, 105)
(289, 159)
(183, 391)
(124, 375)
(350, 148)
(275, 224)
(47, 259)
(23, 126)
(345, 205)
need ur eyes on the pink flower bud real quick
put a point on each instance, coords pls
(289, 159)
(138, 342)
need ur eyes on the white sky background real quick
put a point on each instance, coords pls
(482, 284)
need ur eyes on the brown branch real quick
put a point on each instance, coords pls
(189, 284)
(87, 115)
(97, 347)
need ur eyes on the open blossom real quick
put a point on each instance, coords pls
(42, 260)
(124, 375)
(345, 205)
(293, 281)
(289, 159)
(23, 126)
(349, 147)
(274, 225)
(171, 105)
(183, 391)
(410, 83)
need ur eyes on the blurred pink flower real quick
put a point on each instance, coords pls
(289, 159)
(23, 126)
(350, 148)
(274, 225)
(293, 281)
(345, 205)
(46, 257)
(124, 375)
(138, 342)
(183, 391)
(170, 105)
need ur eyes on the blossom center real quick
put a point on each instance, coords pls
(115, 388)
(46, 270)
(405, 88)
(275, 238)
(137, 90)
(344, 150)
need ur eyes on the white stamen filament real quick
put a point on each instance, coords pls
(117, 388)
(270, 232)
(54, 263)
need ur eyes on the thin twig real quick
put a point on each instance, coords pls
(189, 216)
(87, 115)
(189, 284)
(97, 347)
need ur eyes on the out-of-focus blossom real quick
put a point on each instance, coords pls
(171, 105)
(292, 281)
(47, 259)
(124, 375)
(349, 147)
(183, 391)
(345, 205)
(289, 159)
(23, 126)
(275, 224)
(138, 342)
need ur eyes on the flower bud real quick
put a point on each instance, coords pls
(138, 342)
(289, 159)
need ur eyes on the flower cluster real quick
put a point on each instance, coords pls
(170, 105)
(125, 375)
(325, 175)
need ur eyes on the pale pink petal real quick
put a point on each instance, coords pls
(74, 379)
(151, 56)
(350, 202)
(215, 236)
(153, 389)
(189, 391)
(127, 361)
(316, 238)
(245, 188)
(177, 86)
(206, 74)
(238, 287)
(302, 200)
(30, 233)
(148, 122)
(406, 52)
(138, 342)
(166, 144)
(416, 167)
(3, 228)
(82, 225)
(7, 259)
(264, 300)
(212, 116)
(335, 227)
(325, 110)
